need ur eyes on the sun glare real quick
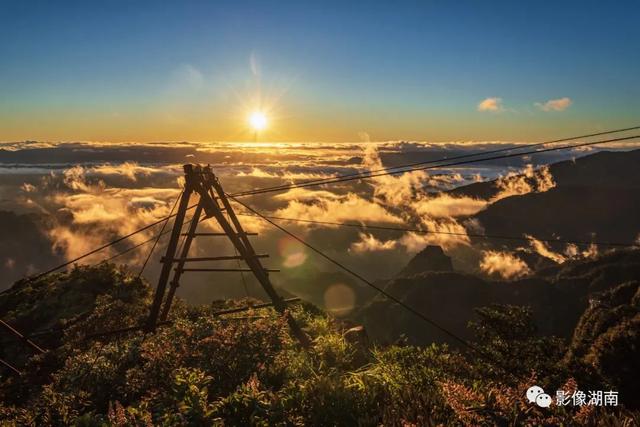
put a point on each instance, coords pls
(258, 121)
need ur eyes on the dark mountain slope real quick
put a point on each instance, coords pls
(607, 338)
(595, 196)
(24, 248)
(576, 213)
(558, 297)
(605, 169)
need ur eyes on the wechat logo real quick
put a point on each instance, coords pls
(537, 395)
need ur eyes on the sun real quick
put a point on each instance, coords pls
(258, 121)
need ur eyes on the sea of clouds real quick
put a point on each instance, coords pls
(85, 194)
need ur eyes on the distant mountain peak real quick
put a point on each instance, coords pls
(431, 258)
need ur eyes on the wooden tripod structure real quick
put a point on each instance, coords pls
(213, 202)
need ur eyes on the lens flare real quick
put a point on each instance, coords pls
(339, 299)
(292, 251)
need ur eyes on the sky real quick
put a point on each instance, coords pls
(143, 71)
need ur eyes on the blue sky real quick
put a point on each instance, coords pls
(136, 70)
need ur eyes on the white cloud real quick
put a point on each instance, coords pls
(559, 104)
(503, 264)
(444, 232)
(544, 250)
(446, 206)
(369, 243)
(523, 182)
(129, 170)
(493, 104)
(346, 208)
(28, 188)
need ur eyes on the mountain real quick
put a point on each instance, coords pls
(431, 258)
(607, 337)
(558, 296)
(56, 302)
(24, 248)
(244, 369)
(595, 197)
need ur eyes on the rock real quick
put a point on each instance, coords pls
(359, 339)
(357, 336)
(431, 258)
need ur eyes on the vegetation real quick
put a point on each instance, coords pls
(244, 369)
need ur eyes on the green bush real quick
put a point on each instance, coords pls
(211, 370)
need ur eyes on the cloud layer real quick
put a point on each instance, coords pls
(88, 203)
(559, 104)
(493, 104)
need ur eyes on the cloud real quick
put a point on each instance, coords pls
(369, 243)
(447, 181)
(129, 170)
(86, 212)
(74, 244)
(559, 104)
(74, 178)
(572, 251)
(190, 76)
(257, 172)
(503, 264)
(446, 206)
(302, 194)
(126, 187)
(491, 104)
(529, 180)
(346, 208)
(544, 250)
(445, 232)
(398, 189)
(364, 136)
(28, 188)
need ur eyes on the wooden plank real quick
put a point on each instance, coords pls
(177, 272)
(217, 234)
(215, 258)
(249, 307)
(228, 270)
(158, 297)
(122, 330)
(11, 367)
(22, 337)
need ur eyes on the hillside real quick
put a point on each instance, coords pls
(24, 247)
(557, 296)
(378, 366)
(595, 197)
(204, 369)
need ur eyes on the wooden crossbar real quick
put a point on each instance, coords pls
(229, 270)
(11, 367)
(22, 337)
(249, 307)
(215, 258)
(217, 234)
(121, 331)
